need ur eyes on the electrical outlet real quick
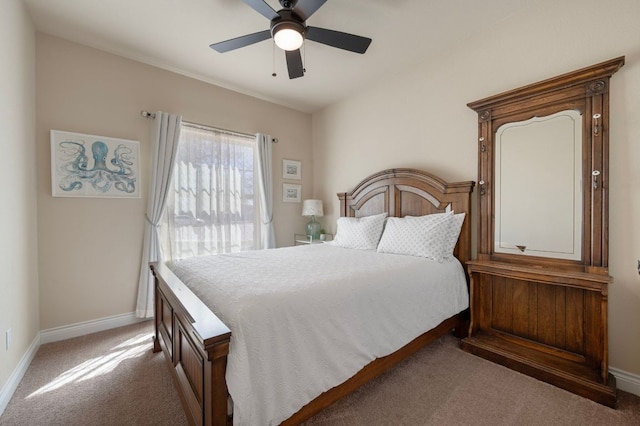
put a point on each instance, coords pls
(8, 339)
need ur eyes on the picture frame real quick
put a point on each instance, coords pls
(291, 169)
(291, 193)
(94, 166)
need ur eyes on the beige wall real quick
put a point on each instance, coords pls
(419, 118)
(18, 240)
(90, 248)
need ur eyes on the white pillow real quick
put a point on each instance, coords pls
(455, 226)
(361, 233)
(423, 236)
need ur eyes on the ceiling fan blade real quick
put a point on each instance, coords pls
(262, 8)
(338, 39)
(294, 63)
(305, 8)
(242, 41)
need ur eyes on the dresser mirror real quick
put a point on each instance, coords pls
(542, 158)
(543, 170)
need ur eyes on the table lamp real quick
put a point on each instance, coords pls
(312, 208)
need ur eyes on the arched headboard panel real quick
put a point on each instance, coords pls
(410, 192)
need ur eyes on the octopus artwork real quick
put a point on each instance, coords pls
(100, 170)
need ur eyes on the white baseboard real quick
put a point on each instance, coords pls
(626, 381)
(14, 379)
(88, 327)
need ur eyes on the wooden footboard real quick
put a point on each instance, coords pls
(196, 344)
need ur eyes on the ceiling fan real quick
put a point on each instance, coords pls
(289, 29)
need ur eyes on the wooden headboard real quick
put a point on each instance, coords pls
(409, 192)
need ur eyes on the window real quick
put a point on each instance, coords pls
(213, 205)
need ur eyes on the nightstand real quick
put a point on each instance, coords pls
(300, 239)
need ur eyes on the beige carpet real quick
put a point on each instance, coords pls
(105, 378)
(113, 378)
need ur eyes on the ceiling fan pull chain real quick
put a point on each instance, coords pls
(273, 58)
(304, 58)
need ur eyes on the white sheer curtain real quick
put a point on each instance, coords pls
(265, 189)
(165, 136)
(214, 207)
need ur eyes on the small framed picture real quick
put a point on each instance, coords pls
(291, 193)
(291, 169)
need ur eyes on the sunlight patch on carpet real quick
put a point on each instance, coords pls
(99, 366)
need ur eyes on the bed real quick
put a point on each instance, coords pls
(197, 343)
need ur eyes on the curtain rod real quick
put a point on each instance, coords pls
(147, 114)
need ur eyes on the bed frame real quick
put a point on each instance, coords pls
(196, 342)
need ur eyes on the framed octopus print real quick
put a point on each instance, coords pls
(93, 166)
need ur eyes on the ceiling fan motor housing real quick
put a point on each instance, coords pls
(287, 20)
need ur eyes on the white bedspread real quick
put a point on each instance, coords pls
(304, 319)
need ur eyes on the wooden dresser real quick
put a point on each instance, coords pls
(540, 281)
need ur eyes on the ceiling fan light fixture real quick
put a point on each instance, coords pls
(289, 30)
(288, 35)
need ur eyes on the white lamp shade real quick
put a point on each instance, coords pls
(312, 208)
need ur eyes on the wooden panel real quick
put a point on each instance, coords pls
(593, 326)
(530, 310)
(414, 202)
(521, 311)
(560, 338)
(165, 321)
(567, 346)
(604, 235)
(215, 386)
(190, 371)
(501, 305)
(599, 193)
(167, 317)
(546, 315)
(482, 300)
(575, 320)
(532, 307)
(371, 205)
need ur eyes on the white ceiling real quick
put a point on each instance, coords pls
(175, 35)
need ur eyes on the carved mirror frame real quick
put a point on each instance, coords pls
(586, 91)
